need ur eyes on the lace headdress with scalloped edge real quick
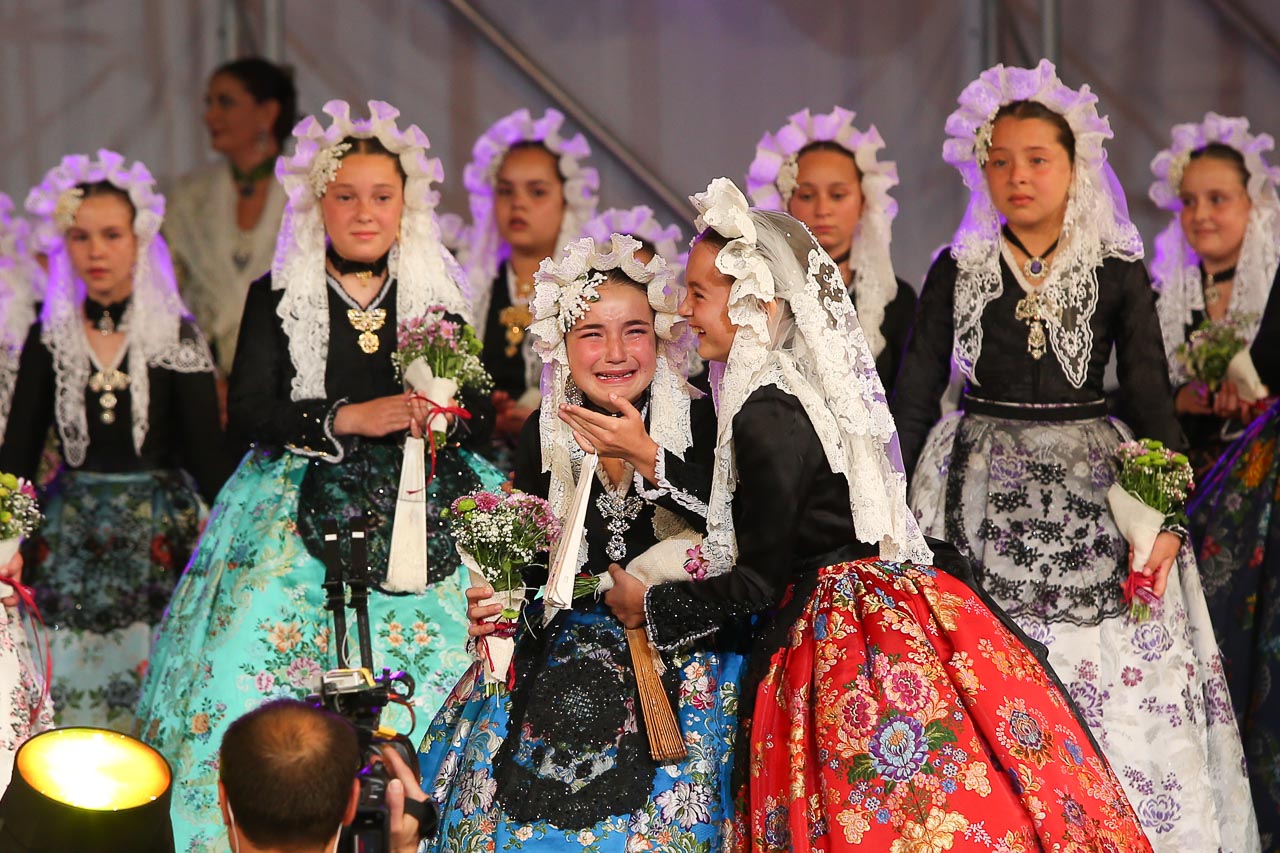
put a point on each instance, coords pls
(813, 348)
(1096, 225)
(772, 178)
(1175, 270)
(426, 273)
(155, 313)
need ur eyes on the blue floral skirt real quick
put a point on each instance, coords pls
(103, 565)
(685, 806)
(247, 623)
(1235, 521)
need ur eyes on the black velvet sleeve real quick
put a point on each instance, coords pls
(1265, 351)
(31, 412)
(926, 366)
(899, 317)
(531, 479)
(684, 485)
(259, 406)
(777, 453)
(205, 451)
(1142, 367)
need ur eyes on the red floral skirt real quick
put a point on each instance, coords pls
(902, 716)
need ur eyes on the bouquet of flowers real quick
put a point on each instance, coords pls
(435, 356)
(497, 536)
(19, 514)
(1150, 494)
(1218, 351)
(668, 561)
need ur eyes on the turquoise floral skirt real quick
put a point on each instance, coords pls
(683, 806)
(247, 624)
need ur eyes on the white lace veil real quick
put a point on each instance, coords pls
(21, 286)
(564, 291)
(1175, 269)
(771, 179)
(155, 313)
(426, 274)
(1096, 225)
(484, 249)
(813, 348)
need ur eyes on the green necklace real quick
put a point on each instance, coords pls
(245, 181)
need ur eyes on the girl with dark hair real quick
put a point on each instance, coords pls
(1043, 281)
(316, 392)
(120, 370)
(223, 218)
(826, 173)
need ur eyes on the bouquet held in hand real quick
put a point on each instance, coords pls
(1149, 495)
(497, 536)
(19, 514)
(1218, 351)
(437, 357)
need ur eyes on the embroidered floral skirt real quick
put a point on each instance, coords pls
(1235, 520)
(683, 806)
(103, 565)
(1026, 502)
(25, 710)
(247, 623)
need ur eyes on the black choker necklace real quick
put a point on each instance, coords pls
(1212, 282)
(359, 269)
(107, 319)
(246, 181)
(844, 259)
(1034, 266)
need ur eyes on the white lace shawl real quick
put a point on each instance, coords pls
(562, 295)
(771, 179)
(484, 250)
(426, 274)
(813, 349)
(1175, 271)
(1096, 225)
(21, 285)
(154, 316)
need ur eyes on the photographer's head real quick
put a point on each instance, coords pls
(288, 778)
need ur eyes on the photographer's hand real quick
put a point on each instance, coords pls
(404, 828)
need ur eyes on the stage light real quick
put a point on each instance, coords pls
(87, 790)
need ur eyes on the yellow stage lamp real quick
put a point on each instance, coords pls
(87, 790)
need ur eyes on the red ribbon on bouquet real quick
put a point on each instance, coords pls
(27, 597)
(503, 629)
(433, 409)
(1138, 594)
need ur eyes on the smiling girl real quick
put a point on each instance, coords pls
(1042, 283)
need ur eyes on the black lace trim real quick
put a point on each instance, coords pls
(575, 751)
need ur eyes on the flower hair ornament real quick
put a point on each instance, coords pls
(564, 291)
(484, 249)
(813, 348)
(425, 273)
(160, 332)
(1096, 225)
(771, 180)
(1176, 268)
(21, 287)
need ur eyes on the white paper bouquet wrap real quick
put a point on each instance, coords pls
(663, 562)
(439, 391)
(496, 650)
(1139, 524)
(1249, 385)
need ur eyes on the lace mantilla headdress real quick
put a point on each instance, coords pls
(1096, 225)
(1176, 271)
(485, 249)
(425, 273)
(772, 178)
(814, 349)
(155, 313)
(564, 292)
(21, 287)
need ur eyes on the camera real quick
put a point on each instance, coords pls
(358, 696)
